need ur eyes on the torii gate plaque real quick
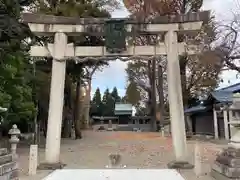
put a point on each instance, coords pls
(62, 27)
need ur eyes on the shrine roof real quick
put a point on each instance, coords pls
(195, 109)
(232, 88)
(222, 96)
(123, 107)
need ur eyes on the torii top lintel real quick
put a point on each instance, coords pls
(48, 24)
(50, 19)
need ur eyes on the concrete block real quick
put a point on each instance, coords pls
(227, 171)
(218, 176)
(230, 151)
(5, 159)
(3, 151)
(13, 175)
(6, 168)
(228, 161)
(180, 165)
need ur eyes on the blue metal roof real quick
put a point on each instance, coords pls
(222, 96)
(194, 109)
(232, 88)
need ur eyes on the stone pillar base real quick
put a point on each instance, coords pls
(180, 165)
(101, 128)
(110, 129)
(227, 165)
(47, 166)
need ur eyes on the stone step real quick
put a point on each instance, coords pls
(124, 128)
(226, 170)
(5, 159)
(3, 151)
(229, 161)
(230, 151)
(7, 168)
(13, 175)
(218, 176)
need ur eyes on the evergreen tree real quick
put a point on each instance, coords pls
(115, 95)
(132, 94)
(84, 9)
(108, 104)
(96, 107)
(15, 70)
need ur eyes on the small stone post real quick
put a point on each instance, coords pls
(110, 128)
(33, 159)
(198, 160)
(14, 140)
(73, 135)
(163, 131)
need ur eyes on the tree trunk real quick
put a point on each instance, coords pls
(160, 95)
(66, 132)
(149, 92)
(183, 64)
(67, 120)
(185, 93)
(153, 96)
(87, 105)
(77, 120)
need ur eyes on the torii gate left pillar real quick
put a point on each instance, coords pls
(54, 126)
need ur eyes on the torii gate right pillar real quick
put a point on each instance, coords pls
(175, 98)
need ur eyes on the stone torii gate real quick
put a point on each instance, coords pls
(60, 51)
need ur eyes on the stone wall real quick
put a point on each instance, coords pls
(8, 166)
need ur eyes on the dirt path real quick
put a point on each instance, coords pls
(138, 150)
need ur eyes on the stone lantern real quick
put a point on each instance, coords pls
(14, 140)
(227, 163)
(235, 121)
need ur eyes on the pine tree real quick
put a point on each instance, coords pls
(15, 70)
(115, 95)
(96, 107)
(108, 104)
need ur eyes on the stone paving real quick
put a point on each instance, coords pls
(138, 150)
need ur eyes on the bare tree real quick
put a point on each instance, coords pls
(226, 48)
(190, 66)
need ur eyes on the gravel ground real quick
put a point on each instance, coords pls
(138, 150)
